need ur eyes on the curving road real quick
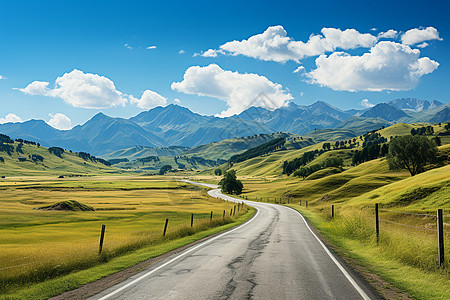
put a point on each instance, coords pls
(275, 255)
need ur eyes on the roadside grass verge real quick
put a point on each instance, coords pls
(75, 279)
(405, 256)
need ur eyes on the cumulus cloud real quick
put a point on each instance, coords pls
(150, 47)
(10, 118)
(300, 69)
(211, 53)
(390, 34)
(149, 100)
(60, 121)
(80, 89)
(366, 104)
(274, 44)
(2, 77)
(181, 51)
(388, 66)
(418, 35)
(239, 91)
(36, 88)
(177, 101)
(127, 46)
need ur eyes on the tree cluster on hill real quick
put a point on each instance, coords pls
(290, 166)
(5, 139)
(56, 151)
(369, 153)
(165, 169)
(26, 142)
(115, 161)
(19, 148)
(87, 156)
(197, 160)
(149, 159)
(328, 163)
(218, 172)
(37, 157)
(411, 153)
(373, 138)
(270, 146)
(7, 148)
(425, 130)
(230, 184)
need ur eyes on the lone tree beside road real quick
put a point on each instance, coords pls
(411, 153)
(229, 183)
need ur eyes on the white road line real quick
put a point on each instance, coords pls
(176, 258)
(346, 274)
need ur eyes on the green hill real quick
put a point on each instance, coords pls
(229, 147)
(39, 161)
(144, 151)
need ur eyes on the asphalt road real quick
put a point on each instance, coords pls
(275, 255)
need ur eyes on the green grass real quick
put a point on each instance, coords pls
(75, 279)
(405, 256)
(38, 245)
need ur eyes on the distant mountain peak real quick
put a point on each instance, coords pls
(414, 104)
(385, 111)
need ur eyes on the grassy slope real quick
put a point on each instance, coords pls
(143, 151)
(70, 163)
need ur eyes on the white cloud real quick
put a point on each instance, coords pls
(388, 66)
(418, 35)
(127, 46)
(366, 104)
(10, 118)
(390, 34)
(36, 88)
(300, 69)
(80, 89)
(149, 100)
(211, 53)
(274, 44)
(150, 47)
(301, 94)
(177, 101)
(373, 29)
(423, 45)
(181, 51)
(2, 77)
(60, 121)
(239, 91)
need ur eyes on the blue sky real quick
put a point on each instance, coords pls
(106, 44)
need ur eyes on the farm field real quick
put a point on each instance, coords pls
(38, 245)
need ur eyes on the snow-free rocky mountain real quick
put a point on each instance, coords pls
(174, 125)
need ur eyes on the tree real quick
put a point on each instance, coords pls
(165, 169)
(411, 153)
(230, 184)
(218, 172)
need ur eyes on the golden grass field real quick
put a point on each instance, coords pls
(39, 244)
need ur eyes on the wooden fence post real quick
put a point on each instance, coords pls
(306, 204)
(231, 212)
(210, 218)
(165, 227)
(377, 223)
(440, 227)
(102, 236)
(224, 214)
(234, 211)
(192, 220)
(332, 211)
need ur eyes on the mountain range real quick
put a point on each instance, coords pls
(174, 125)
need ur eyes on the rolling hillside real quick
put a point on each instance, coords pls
(39, 161)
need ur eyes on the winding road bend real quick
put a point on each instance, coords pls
(275, 255)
